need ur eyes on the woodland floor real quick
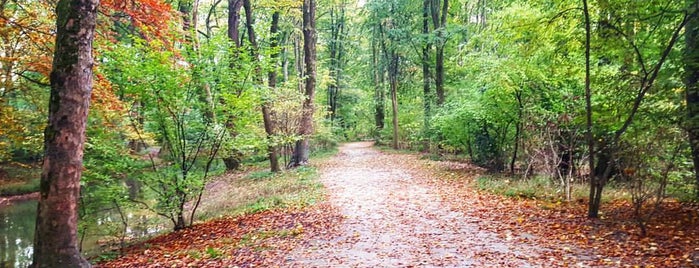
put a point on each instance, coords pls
(396, 210)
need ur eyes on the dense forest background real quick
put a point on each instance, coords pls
(596, 94)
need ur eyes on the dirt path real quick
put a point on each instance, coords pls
(394, 218)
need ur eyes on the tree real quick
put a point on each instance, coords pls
(254, 53)
(336, 51)
(439, 19)
(427, 95)
(270, 128)
(55, 242)
(301, 150)
(638, 57)
(691, 69)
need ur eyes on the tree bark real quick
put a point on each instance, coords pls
(301, 150)
(393, 76)
(379, 95)
(336, 52)
(593, 206)
(393, 60)
(232, 161)
(55, 240)
(439, 19)
(234, 21)
(272, 149)
(427, 95)
(272, 75)
(691, 67)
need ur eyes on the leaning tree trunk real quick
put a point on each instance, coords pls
(55, 239)
(301, 150)
(691, 67)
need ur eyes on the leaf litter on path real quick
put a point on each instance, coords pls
(395, 210)
(395, 218)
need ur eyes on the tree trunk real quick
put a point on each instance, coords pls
(336, 53)
(593, 206)
(301, 150)
(55, 240)
(272, 75)
(427, 95)
(232, 162)
(518, 130)
(379, 96)
(439, 19)
(272, 149)
(234, 21)
(394, 103)
(691, 67)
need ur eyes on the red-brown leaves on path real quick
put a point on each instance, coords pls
(255, 240)
(573, 239)
(400, 211)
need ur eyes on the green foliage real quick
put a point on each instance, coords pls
(214, 253)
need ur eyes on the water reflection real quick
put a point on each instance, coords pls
(17, 221)
(17, 233)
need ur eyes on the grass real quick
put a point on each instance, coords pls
(260, 190)
(21, 179)
(540, 187)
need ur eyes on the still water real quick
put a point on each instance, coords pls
(17, 222)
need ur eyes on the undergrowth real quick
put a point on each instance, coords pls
(261, 190)
(541, 187)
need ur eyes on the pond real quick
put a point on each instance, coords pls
(17, 233)
(17, 221)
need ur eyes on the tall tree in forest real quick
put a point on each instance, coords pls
(427, 95)
(301, 150)
(273, 149)
(336, 51)
(691, 68)
(254, 51)
(648, 65)
(378, 70)
(439, 20)
(588, 112)
(234, 21)
(393, 59)
(55, 241)
(232, 161)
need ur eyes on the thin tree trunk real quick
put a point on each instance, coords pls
(393, 60)
(593, 206)
(439, 19)
(394, 102)
(273, 150)
(301, 151)
(232, 161)
(518, 130)
(691, 67)
(272, 75)
(427, 95)
(379, 96)
(55, 239)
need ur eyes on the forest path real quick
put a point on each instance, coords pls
(395, 218)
